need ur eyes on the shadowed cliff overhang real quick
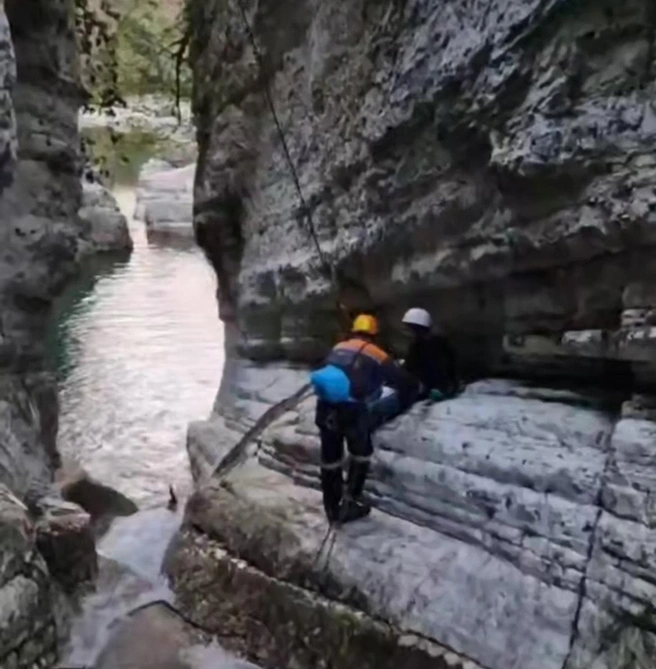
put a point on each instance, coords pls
(495, 169)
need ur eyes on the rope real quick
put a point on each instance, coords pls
(328, 268)
(306, 209)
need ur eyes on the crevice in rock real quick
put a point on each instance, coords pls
(582, 588)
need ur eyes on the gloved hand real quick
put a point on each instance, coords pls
(435, 395)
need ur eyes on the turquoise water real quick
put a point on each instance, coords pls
(138, 349)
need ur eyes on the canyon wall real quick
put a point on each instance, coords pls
(39, 198)
(494, 163)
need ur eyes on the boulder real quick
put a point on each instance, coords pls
(65, 539)
(153, 638)
(107, 226)
(164, 199)
(101, 502)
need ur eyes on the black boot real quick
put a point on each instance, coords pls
(353, 506)
(352, 509)
(356, 478)
(331, 486)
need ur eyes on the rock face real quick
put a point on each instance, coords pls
(39, 199)
(107, 226)
(165, 198)
(66, 541)
(493, 162)
(27, 622)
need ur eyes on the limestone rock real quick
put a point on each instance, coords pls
(154, 638)
(164, 200)
(27, 623)
(39, 231)
(66, 541)
(523, 510)
(107, 226)
(7, 120)
(276, 623)
(493, 162)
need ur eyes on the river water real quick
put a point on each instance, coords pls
(138, 348)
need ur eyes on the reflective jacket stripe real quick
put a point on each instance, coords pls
(370, 350)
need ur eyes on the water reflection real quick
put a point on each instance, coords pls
(139, 354)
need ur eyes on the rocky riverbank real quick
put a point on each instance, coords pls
(495, 166)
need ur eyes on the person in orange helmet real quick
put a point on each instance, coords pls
(352, 378)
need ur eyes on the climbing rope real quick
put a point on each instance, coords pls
(267, 92)
(328, 268)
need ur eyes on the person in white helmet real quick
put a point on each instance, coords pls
(430, 358)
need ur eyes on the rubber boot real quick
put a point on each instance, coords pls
(353, 507)
(356, 478)
(331, 486)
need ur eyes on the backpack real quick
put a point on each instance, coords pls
(331, 384)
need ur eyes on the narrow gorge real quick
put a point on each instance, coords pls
(493, 162)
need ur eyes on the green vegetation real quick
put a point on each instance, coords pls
(132, 47)
(148, 38)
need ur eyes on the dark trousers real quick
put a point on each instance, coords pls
(339, 423)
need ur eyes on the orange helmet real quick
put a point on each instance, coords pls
(365, 324)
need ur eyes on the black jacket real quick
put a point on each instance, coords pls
(433, 362)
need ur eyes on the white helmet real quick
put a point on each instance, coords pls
(417, 316)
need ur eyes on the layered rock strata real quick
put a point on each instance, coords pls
(492, 162)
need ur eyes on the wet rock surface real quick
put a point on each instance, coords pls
(66, 541)
(27, 621)
(153, 638)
